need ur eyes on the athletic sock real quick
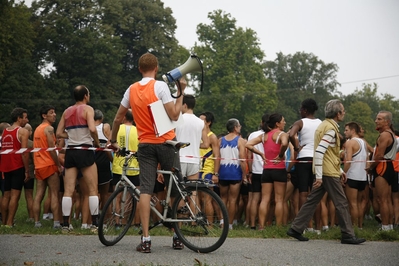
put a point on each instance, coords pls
(66, 209)
(93, 204)
(148, 238)
(385, 227)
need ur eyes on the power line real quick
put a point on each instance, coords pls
(387, 77)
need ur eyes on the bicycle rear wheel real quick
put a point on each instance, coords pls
(116, 216)
(204, 233)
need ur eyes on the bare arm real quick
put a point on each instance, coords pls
(107, 133)
(61, 133)
(348, 154)
(49, 132)
(173, 109)
(23, 135)
(216, 155)
(383, 142)
(250, 145)
(242, 156)
(205, 139)
(296, 127)
(89, 116)
(120, 114)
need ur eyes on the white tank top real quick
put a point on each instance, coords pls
(358, 165)
(190, 131)
(306, 137)
(101, 137)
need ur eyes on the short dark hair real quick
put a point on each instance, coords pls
(17, 112)
(309, 105)
(355, 126)
(44, 110)
(209, 117)
(189, 100)
(129, 116)
(79, 92)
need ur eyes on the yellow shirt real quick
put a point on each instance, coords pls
(207, 165)
(132, 144)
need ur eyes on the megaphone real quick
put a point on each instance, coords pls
(192, 64)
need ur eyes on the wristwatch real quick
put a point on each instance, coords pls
(113, 141)
(216, 174)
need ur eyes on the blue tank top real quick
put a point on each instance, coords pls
(230, 168)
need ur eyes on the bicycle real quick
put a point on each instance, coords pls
(195, 221)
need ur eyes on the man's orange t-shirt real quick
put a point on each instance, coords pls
(141, 96)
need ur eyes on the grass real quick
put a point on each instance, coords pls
(370, 229)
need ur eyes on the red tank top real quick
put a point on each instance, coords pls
(272, 149)
(9, 140)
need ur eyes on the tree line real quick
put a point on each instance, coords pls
(49, 48)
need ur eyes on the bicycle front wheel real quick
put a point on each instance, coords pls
(116, 216)
(201, 212)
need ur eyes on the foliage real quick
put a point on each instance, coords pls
(234, 84)
(20, 81)
(300, 76)
(48, 49)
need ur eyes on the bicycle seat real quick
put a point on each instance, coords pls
(177, 145)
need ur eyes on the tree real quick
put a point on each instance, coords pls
(300, 76)
(234, 83)
(364, 106)
(143, 26)
(20, 81)
(98, 43)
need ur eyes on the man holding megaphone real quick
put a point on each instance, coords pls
(151, 152)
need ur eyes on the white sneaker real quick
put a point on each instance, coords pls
(45, 216)
(93, 229)
(317, 232)
(50, 216)
(38, 224)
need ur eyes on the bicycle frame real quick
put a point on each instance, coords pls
(173, 179)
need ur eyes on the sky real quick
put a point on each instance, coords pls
(360, 36)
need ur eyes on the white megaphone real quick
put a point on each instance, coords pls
(192, 64)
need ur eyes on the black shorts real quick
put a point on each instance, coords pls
(30, 184)
(133, 178)
(304, 174)
(386, 171)
(395, 183)
(14, 179)
(256, 182)
(103, 167)
(159, 187)
(355, 184)
(294, 179)
(274, 175)
(244, 189)
(79, 158)
(226, 183)
(61, 176)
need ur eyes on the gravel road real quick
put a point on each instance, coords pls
(87, 250)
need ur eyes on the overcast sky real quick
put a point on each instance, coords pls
(360, 36)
